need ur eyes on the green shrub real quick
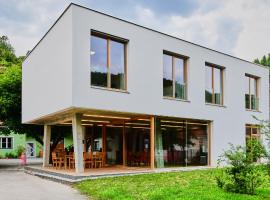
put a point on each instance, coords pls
(20, 149)
(11, 155)
(242, 175)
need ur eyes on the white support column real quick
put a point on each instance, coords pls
(77, 131)
(46, 146)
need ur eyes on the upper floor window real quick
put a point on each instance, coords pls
(6, 142)
(251, 92)
(108, 61)
(213, 84)
(174, 76)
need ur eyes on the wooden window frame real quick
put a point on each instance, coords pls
(253, 126)
(221, 68)
(185, 59)
(256, 79)
(110, 38)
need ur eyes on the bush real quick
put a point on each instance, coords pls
(243, 174)
(11, 155)
(20, 149)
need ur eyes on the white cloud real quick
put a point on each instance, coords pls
(240, 27)
(24, 22)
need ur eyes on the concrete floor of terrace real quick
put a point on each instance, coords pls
(69, 176)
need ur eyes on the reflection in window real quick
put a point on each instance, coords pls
(108, 62)
(181, 143)
(117, 65)
(208, 85)
(167, 76)
(99, 68)
(251, 93)
(213, 84)
(174, 80)
(252, 133)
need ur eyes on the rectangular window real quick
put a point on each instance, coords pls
(252, 131)
(6, 142)
(181, 142)
(174, 76)
(213, 84)
(108, 61)
(251, 93)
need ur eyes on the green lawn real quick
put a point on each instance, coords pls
(193, 185)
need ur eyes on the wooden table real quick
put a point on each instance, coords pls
(68, 158)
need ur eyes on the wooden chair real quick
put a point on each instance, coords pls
(72, 161)
(98, 158)
(88, 159)
(57, 161)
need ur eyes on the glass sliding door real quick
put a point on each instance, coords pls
(114, 145)
(173, 142)
(138, 146)
(197, 144)
(181, 143)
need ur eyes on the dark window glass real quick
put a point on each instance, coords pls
(213, 85)
(138, 146)
(217, 85)
(174, 146)
(6, 143)
(180, 78)
(167, 76)
(181, 143)
(208, 85)
(99, 69)
(114, 145)
(251, 93)
(9, 144)
(117, 65)
(247, 96)
(108, 63)
(197, 144)
(174, 83)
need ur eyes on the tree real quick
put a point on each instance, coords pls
(10, 92)
(265, 60)
(7, 53)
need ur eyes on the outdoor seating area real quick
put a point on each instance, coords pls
(66, 160)
(138, 159)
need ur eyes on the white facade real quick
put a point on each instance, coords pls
(56, 77)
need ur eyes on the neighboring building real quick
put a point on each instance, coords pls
(9, 144)
(128, 90)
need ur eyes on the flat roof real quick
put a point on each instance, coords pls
(144, 27)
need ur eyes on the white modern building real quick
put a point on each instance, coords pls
(140, 96)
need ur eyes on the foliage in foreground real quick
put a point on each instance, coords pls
(195, 185)
(243, 174)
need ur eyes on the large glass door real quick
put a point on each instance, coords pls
(114, 145)
(181, 143)
(138, 146)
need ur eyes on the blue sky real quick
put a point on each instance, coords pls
(240, 28)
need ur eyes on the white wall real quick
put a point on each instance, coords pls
(144, 72)
(47, 72)
(51, 78)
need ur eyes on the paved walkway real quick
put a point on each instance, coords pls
(18, 185)
(15, 163)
